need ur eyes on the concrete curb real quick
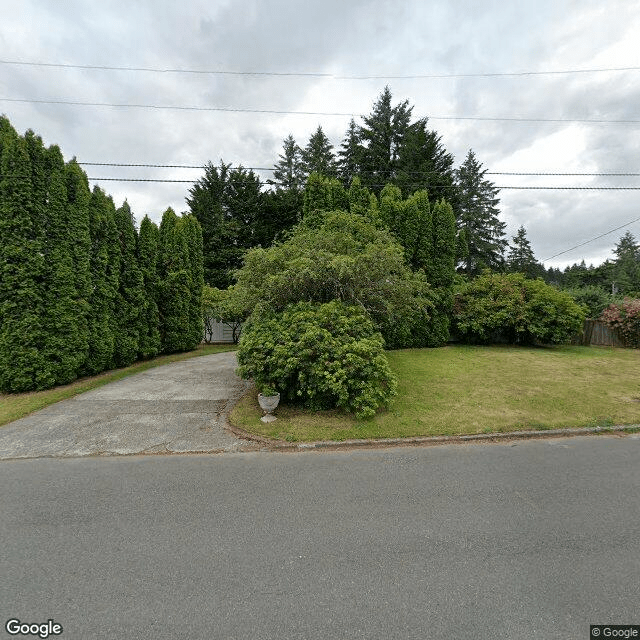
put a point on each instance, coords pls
(279, 445)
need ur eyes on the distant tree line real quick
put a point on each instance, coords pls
(81, 290)
(388, 147)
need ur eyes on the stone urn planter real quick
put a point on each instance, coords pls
(268, 404)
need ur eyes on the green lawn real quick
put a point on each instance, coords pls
(14, 406)
(467, 389)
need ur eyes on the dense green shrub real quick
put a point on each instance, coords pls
(319, 355)
(346, 258)
(624, 318)
(498, 307)
(595, 298)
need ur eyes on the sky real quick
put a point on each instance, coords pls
(457, 53)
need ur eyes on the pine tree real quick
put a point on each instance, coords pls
(130, 298)
(174, 284)
(350, 154)
(318, 157)
(521, 257)
(383, 134)
(105, 269)
(147, 251)
(478, 217)
(23, 366)
(626, 270)
(424, 163)
(190, 228)
(289, 171)
(227, 202)
(280, 210)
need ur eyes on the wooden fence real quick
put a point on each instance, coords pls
(598, 333)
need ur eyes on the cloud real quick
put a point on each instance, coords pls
(365, 37)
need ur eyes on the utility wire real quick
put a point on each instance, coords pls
(426, 173)
(622, 226)
(411, 184)
(309, 113)
(315, 74)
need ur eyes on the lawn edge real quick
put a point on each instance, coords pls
(281, 445)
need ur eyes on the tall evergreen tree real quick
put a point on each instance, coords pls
(289, 170)
(318, 155)
(174, 284)
(281, 209)
(79, 243)
(227, 203)
(521, 257)
(148, 238)
(359, 198)
(322, 194)
(478, 217)
(441, 273)
(626, 270)
(65, 343)
(424, 163)
(190, 228)
(23, 365)
(130, 299)
(350, 154)
(404, 220)
(105, 269)
(383, 134)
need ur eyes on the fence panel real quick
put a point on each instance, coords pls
(598, 333)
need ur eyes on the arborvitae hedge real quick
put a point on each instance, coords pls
(149, 344)
(130, 298)
(64, 343)
(79, 289)
(22, 363)
(190, 228)
(104, 278)
(175, 284)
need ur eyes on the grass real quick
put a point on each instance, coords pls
(457, 390)
(18, 405)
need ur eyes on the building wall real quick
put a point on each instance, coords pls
(219, 333)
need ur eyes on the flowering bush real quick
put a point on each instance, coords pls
(624, 318)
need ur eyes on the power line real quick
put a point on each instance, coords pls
(622, 226)
(539, 173)
(489, 173)
(316, 74)
(411, 184)
(309, 113)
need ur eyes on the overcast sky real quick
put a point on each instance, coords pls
(355, 38)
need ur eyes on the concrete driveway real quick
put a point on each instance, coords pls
(177, 408)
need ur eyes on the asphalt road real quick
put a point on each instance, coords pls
(530, 540)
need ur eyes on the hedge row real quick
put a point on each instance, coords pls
(81, 291)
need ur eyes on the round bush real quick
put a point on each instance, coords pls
(322, 356)
(510, 308)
